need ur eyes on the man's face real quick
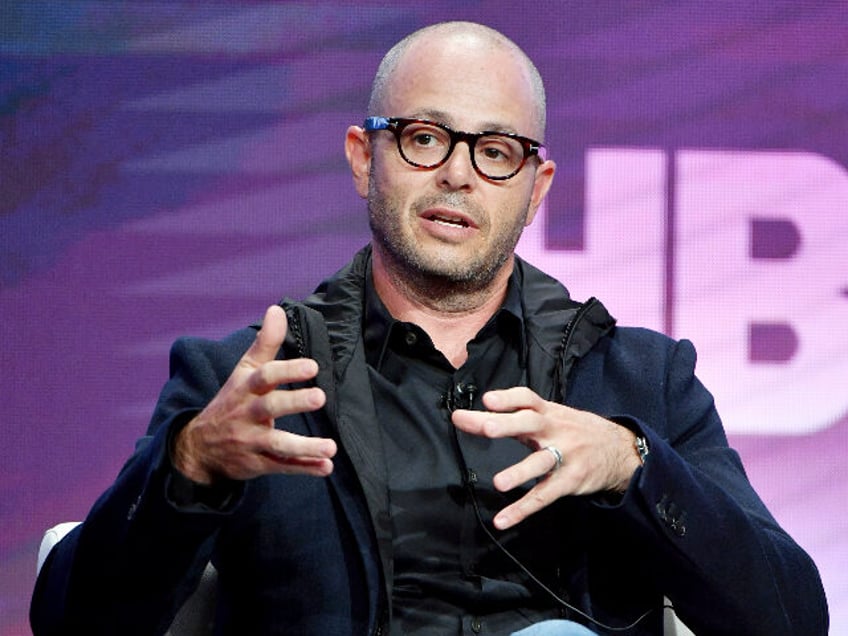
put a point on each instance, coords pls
(450, 224)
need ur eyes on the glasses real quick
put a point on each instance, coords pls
(427, 144)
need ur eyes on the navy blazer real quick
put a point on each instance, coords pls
(313, 556)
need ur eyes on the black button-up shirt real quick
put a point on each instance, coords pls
(450, 577)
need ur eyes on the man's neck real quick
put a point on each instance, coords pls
(450, 314)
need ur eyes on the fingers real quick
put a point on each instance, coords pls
(599, 454)
(533, 466)
(538, 464)
(540, 496)
(511, 413)
(207, 450)
(298, 450)
(234, 435)
(285, 402)
(268, 372)
(290, 453)
(509, 400)
(248, 452)
(284, 444)
(270, 375)
(270, 337)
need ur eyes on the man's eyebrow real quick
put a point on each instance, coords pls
(433, 115)
(499, 127)
(443, 118)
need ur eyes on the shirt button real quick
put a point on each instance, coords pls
(410, 338)
(476, 625)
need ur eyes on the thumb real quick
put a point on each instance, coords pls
(270, 337)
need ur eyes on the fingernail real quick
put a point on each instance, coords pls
(316, 398)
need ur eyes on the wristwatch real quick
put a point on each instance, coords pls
(642, 448)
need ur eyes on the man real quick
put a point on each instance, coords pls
(438, 440)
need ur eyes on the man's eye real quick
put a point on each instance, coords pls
(424, 139)
(493, 153)
(496, 150)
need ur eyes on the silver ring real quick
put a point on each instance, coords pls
(553, 450)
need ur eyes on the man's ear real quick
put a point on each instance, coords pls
(542, 181)
(358, 153)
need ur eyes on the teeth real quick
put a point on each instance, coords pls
(450, 222)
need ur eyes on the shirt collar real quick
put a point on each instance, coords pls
(379, 323)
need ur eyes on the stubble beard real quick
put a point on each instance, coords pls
(449, 283)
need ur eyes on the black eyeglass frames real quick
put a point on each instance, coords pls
(427, 144)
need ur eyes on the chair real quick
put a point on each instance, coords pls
(197, 616)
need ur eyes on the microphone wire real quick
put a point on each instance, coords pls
(469, 478)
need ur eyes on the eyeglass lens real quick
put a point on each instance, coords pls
(426, 145)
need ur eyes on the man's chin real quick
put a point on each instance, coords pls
(454, 274)
(454, 268)
(446, 265)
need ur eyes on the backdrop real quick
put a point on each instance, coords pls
(172, 168)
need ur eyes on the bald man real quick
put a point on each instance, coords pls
(439, 440)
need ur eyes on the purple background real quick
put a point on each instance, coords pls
(171, 168)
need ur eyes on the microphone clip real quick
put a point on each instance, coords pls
(460, 396)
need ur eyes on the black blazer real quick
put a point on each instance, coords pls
(304, 555)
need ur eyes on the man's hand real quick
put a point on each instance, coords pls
(598, 455)
(234, 436)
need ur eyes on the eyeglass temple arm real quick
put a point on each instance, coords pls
(376, 123)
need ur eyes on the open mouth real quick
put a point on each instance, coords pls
(450, 221)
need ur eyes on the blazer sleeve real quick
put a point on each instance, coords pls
(703, 534)
(138, 555)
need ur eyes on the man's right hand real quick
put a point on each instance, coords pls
(234, 436)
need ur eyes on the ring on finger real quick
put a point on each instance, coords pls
(558, 459)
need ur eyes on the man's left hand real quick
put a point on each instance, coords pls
(598, 455)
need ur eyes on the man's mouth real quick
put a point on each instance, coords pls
(443, 220)
(448, 219)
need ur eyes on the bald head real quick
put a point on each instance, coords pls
(464, 37)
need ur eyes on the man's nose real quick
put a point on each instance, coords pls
(458, 172)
